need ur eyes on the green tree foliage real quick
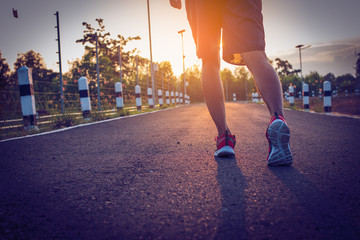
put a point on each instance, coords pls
(357, 65)
(283, 67)
(291, 80)
(109, 66)
(4, 72)
(346, 82)
(45, 81)
(193, 76)
(244, 84)
(228, 81)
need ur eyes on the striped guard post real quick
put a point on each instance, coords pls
(118, 95)
(172, 97)
(167, 97)
(256, 97)
(177, 97)
(291, 95)
(306, 97)
(84, 97)
(161, 101)
(181, 98)
(234, 97)
(28, 106)
(138, 97)
(150, 98)
(327, 97)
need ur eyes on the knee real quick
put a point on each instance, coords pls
(256, 60)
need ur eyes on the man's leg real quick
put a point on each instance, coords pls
(266, 79)
(213, 92)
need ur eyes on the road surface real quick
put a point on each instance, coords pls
(154, 177)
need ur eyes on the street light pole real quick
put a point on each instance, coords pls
(182, 43)
(301, 47)
(151, 61)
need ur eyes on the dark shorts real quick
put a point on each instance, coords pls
(240, 20)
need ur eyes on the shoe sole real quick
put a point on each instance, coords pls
(224, 152)
(279, 136)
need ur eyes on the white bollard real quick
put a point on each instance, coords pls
(253, 97)
(313, 93)
(286, 95)
(320, 94)
(172, 97)
(306, 97)
(256, 97)
(150, 98)
(327, 97)
(138, 97)
(234, 97)
(84, 97)
(28, 106)
(177, 97)
(181, 98)
(118, 95)
(346, 93)
(291, 95)
(161, 101)
(167, 97)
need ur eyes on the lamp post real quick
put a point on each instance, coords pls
(183, 57)
(301, 47)
(151, 62)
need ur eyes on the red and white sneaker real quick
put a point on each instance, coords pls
(278, 135)
(225, 145)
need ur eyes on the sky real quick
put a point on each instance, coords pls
(331, 27)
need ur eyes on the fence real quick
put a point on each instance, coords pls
(48, 99)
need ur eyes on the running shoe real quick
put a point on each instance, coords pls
(225, 145)
(278, 135)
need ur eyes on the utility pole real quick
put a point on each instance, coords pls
(60, 69)
(97, 73)
(121, 82)
(301, 47)
(183, 58)
(151, 60)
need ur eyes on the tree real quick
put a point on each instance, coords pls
(42, 76)
(4, 72)
(193, 76)
(357, 66)
(109, 68)
(283, 67)
(346, 82)
(228, 83)
(244, 84)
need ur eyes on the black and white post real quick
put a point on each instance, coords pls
(119, 96)
(327, 97)
(234, 97)
(306, 97)
(161, 101)
(84, 97)
(291, 95)
(138, 97)
(28, 106)
(172, 97)
(150, 98)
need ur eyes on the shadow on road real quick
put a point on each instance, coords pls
(232, 186)
(329, 221)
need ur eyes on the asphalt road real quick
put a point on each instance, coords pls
(154, 177)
